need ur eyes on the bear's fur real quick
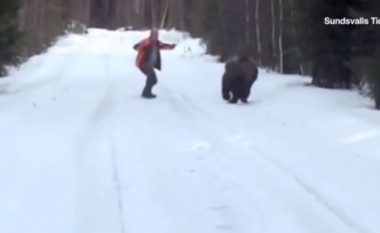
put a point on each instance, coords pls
(239, 76)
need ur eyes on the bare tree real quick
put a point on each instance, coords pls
(257, 10)
(293, 29)
(273, 13)
(165, 14)
(247, 22)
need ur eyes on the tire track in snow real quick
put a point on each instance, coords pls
(102, 175)
(119, 191)
(220, 125)
(310, 190)
(228, 190)
(313, 192)
(307, 188)
(116, 173)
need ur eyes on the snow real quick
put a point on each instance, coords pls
(82, 152)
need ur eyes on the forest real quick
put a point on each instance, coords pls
(287, 36)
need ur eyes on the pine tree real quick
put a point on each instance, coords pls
(326, 47)
(224, 28)
(10, 36)
(371, 74)
(212, 27)
(366, 48)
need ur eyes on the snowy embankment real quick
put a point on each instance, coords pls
(82, 152)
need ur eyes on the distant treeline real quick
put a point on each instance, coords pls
(288, 36)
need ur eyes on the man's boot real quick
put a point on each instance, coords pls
(149, 96)
(147, 93)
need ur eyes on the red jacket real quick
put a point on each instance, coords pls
(145, 49)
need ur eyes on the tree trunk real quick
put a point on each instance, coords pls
(165, 14)
(247, 23)
(274, 50)
(224, 37)
(257, 10)
(280, 38)
(154, 13)
(297, 51)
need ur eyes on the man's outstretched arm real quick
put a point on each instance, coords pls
(166, 46)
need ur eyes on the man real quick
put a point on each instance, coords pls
(149, 58)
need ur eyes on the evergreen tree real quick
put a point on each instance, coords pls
(10, 36)
(366, 48)
(369, 69)
(326, 47)
(212, 28)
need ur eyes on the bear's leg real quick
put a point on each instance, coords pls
(226, 94)
(236, 90)
(247, 90)
(234, 100)
(245, 95)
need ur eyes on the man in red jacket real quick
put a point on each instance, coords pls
(149, 58)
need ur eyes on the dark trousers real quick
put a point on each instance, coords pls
(151, 79)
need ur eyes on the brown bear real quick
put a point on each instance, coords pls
(239, 75)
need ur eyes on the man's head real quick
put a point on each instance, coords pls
(153, 34)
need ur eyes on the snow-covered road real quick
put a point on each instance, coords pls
(81, 152)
